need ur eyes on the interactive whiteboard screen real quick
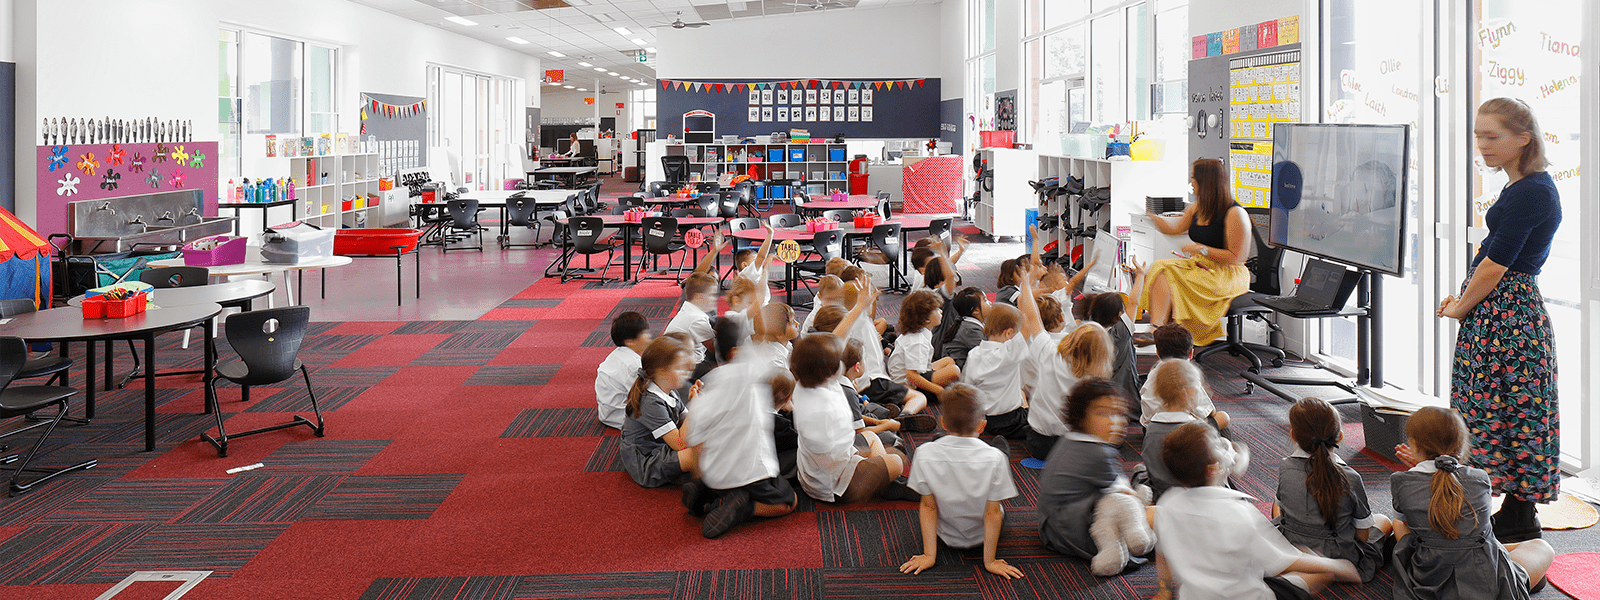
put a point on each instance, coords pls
(1339, 192)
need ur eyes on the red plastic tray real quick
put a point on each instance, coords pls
(374, 241)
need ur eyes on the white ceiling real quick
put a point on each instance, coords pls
(584, 30)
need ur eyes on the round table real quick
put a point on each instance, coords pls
(228, 294)
(253, 265)
(68, 325)
(622, 222)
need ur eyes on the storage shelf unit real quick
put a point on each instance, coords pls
(824, 168)
(323, 183)
(1130, 183)
(1002, 210)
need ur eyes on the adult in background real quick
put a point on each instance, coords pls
(1195, 291)
(1503, 378)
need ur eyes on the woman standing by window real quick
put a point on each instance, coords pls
(1503, 377)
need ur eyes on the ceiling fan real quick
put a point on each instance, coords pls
(679, 24)
(818, 4)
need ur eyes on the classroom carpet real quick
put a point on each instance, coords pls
(463, 460)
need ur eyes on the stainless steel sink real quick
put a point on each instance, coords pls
(161, 219)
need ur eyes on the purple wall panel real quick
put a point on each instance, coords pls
(97, 171)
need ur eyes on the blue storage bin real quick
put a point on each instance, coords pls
(775, 155)
(836, 154)
(797, 155)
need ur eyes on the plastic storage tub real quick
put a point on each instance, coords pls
(229, 251)
(374, 241)
(298, 244)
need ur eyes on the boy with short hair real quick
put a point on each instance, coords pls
(969, 305)
(1174, 342)
(962, 481)
(1106, 309)
(700, 291)
(752, 264)
(995, 366)
(630, 331)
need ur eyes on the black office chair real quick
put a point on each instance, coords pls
(521, 212)
(558, 240)
(1264, 282)
(267, 342)
(735, 225)
(709, 203)
(626, 203)
(941, 228)
(175, 277)
(588, 235)
(825, 246)
(661, 239)
(661, 189)
(675, 169)
(728, 204)
(883, 205)
(745, 197)
(841, 215)
(463, 223)
(23, 401)
(707, 187)
(683, 213)
(54, 366)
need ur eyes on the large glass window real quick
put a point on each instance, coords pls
(472, 127)
(1065, 53)
(270, 85)
(271, 69)
(1105, 69)
(228, 106)
(1138, 74)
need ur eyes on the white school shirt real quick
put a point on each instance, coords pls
(912, 352)
(774, 354)
(757, 274)
(871, 348)
(1218, 546)
(827, 452)
(747, 328)
(731, 421)
(1030, 367)
(693, 321)
(995, 368)
(613, 379)
(1147, 398)
(852, 400)
(963, 474)
(1054, 380)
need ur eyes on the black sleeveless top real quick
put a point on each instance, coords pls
(1214, 234)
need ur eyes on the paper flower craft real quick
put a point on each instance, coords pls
(69, 185)
(154, 179)
(199, 161)
(88, 164)
(177, 178)
(137, 164)
(58, 157)
(160, 154)
(179, 156)
(116, 155)
(111, 180)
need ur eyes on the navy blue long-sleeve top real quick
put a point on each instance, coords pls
(1521, 224)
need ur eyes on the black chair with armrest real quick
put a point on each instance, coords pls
(1263, 282)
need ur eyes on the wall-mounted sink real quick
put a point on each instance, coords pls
(164, 219)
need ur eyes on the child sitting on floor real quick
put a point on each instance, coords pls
(1445, 547)
(871, 378)
(1106, 309)
(1322, 503)
(733, 440)
(1084, 353)
(614, 377)
(969, 306)
(1174, 385)
(1173, 342)
(1082, 469)
(1213, 544)
(700, 291)
(654, 451)
(962, 481)
(752, 264)
(831, 469)
(911, 364)
(774, 330)
(995, 366)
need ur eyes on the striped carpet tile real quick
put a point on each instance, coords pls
(478, 340)
(171, 428)
(607, 285)
(112, 460)
(657, 585)
(606, 457)
(294, 399)
(221, 549)
(316, 328)
(513, 375)
(492, 326)
(135, 501)
(871, 538)
(800, 584)
(455, 358)
(441, 588)
(368, 497)
(530, 303)
(651, 308)
(124, 402)
(332, 343)
(63, 553)
(255, 499)
(351, 376)
(423, 327)
(952, 582)
(28, 509)
(554, 422)
(1068, 579)
(320, 457)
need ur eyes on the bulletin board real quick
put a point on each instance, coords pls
(855, 108)
(400, 124)
(1241, 82)
(76, 172)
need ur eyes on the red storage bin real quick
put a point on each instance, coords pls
(868, 222)
(345, 205)
(374, 241)
(997, 139)
(117, 309)
(94, 307)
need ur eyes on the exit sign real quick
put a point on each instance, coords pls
(641, 56)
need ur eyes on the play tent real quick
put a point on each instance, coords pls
(24, 261)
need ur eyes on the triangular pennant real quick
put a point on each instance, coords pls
(665, 84)
(815, 83)
(920, 81)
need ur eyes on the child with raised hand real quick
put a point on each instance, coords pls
(654, 451)
(700, 291)
(1212, 542)
(1322, 502)
(774, 329)
(630, 331)
(1175, 386)
(995, 366)
(1174, 343)
(1106, 309)
(1083, 470)
(831, 469)
(911, 364)
(969, 307)
(870, 377)
(1445, 546)
(753, 264)
(733, 440)
(1059, 366)
(962, 481)
(830, 292)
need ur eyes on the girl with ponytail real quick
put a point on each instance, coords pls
(1322, 502)
(654, 451)
(1058, 366)
(1446, 549)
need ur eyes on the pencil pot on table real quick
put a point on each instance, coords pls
(633, 215)
(867, 219)
(820, 224)
(838, 197)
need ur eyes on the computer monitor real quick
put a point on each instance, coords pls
(1339, 192)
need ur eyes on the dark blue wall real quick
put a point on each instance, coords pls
(950, 129)
(901, 113)
(8, 135)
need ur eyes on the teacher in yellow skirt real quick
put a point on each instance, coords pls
(1195, 290)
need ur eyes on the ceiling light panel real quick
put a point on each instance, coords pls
(463, 21)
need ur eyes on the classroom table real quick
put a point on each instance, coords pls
(569, 174)
(228, 294)
(238, 211)
(67, 324)
(499, 198)
(855, 202)
(253, 265)
(799, 234)
(620, 222)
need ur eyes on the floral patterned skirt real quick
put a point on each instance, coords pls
(1503, 381)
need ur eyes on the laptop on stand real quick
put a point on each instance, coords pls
(1324, 288)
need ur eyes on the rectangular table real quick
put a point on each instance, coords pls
(571, 175)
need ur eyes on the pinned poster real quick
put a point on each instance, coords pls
(838, 113)
(826, 114)
(855, 98)
(866, 114)
(866, 96)
(811, 113)
(766, 114)
(855, 114)
(783, 114)
(1289, 30)
(755, 96)
(838, 98)
(811, 96)
(755, 114)
(783, 96)
(766, 96)
(826, 96)
(1230, 41)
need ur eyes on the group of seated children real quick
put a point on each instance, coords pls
(765, 401)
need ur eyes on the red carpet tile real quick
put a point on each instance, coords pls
(399, 395)
(365, 328)
(391, 351)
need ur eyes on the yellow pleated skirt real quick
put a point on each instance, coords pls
(1201, 293)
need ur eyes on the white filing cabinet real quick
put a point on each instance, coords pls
(1001, 211)
(1148, 243)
